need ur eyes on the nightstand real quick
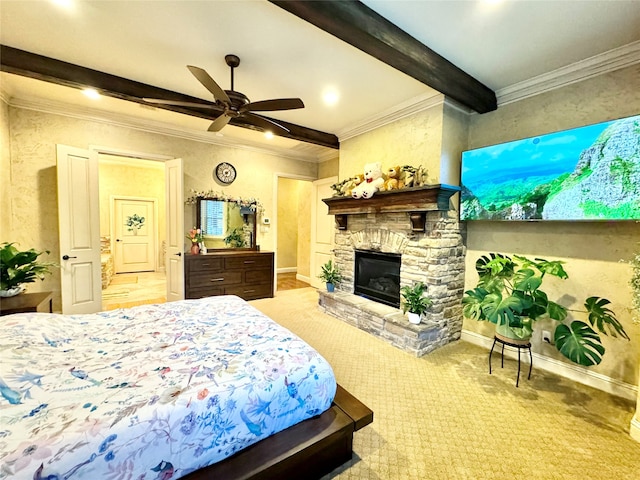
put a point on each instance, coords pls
(27, 302)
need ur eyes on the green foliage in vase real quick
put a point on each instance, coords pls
(330, 273)
(235, 239)
(509, 293)
(414, 299)
(17, 268)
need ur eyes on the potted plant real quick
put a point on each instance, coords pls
(509, 295)
(235, 239)
(414, 301)
(18, 268)
(331, 275)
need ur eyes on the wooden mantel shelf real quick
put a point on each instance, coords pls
(415, 201)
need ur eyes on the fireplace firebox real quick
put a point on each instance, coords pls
(377, 276)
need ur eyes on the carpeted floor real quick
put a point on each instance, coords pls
(443, 416)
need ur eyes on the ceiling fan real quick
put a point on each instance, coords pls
(235, 104)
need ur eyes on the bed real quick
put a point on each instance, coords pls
(208, 388)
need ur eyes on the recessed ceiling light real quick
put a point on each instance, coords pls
(67, 4)
(330, 97)
(91, 93)
(268, 134)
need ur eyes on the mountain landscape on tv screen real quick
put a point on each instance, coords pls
(588, 173)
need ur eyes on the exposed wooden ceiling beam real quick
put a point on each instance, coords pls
(358, 25)
(20, 62)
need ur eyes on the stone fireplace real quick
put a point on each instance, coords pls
(429, 250)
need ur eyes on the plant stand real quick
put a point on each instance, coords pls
(522, 344)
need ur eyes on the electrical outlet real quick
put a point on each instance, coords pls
(546, 336)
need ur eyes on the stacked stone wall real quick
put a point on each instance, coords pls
(435, 257)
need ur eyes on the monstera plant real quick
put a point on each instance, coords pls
(509, 295)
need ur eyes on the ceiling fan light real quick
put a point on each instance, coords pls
(330, 97)
(268, 134)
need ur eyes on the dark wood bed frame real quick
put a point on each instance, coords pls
(307, 450)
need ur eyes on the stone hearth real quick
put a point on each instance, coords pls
(434, 257)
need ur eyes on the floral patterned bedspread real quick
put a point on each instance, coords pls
(151, 392)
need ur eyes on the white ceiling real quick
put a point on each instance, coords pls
(500, 43)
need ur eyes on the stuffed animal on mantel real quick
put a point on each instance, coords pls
(372, 181)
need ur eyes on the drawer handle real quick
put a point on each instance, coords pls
(249, 291)
(205, 264)
(217, 279)
(249, 261)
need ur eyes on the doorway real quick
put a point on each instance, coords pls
(293, 229)
(132, 231)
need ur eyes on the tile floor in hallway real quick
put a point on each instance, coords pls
(142, 288)
(132, 289)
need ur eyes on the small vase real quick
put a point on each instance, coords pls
(414, 318)
(12, 292)
(330, 287)
(195, 249)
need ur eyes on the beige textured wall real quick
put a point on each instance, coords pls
(287, 223)
(5, 172)
(593, 250)
(304, 228)
(33, 208)
(414, 140)
(138, 179)
(329, 168)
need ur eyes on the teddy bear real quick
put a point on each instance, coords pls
(372, 181)
(392, 181)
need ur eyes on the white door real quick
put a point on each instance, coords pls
(322, 228)
(174, 260)
(134, 229)
(79, 225)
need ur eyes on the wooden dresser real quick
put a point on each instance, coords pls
(247, 274)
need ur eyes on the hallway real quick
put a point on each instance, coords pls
(133, 289)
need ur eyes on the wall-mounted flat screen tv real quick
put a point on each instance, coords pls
(586, 173)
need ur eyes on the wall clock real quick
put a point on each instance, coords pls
(225, 172)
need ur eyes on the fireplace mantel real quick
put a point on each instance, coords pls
(415, 201)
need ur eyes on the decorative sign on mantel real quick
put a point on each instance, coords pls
(415, 201)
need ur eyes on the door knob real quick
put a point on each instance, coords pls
(178, 254)
(118, 240)
(67, 257)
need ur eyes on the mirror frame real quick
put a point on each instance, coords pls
(254, 239)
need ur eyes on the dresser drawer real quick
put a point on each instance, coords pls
(247, 262)
(258, 276)
(214, 279)
(249, 292)
(204, 292)
(208, 264)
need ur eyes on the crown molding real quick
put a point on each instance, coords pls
(151, 126)
(393, 114)
(609, 61)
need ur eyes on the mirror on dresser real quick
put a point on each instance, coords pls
(226, 224)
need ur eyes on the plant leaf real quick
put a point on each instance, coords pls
(472, 304)
(579, 343)
(500, 310)
(603, 318)
(525, 280)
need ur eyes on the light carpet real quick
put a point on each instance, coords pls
(442, 416)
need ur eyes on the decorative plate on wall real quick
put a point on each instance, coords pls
(225, 172)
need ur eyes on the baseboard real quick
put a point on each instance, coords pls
(575, 373)
(634, 428)
(287, 270)
(303, 278)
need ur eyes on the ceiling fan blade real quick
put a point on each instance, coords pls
(262, 122)
(209, 83)
(182, 104)
(271, 105)
(219, 123)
